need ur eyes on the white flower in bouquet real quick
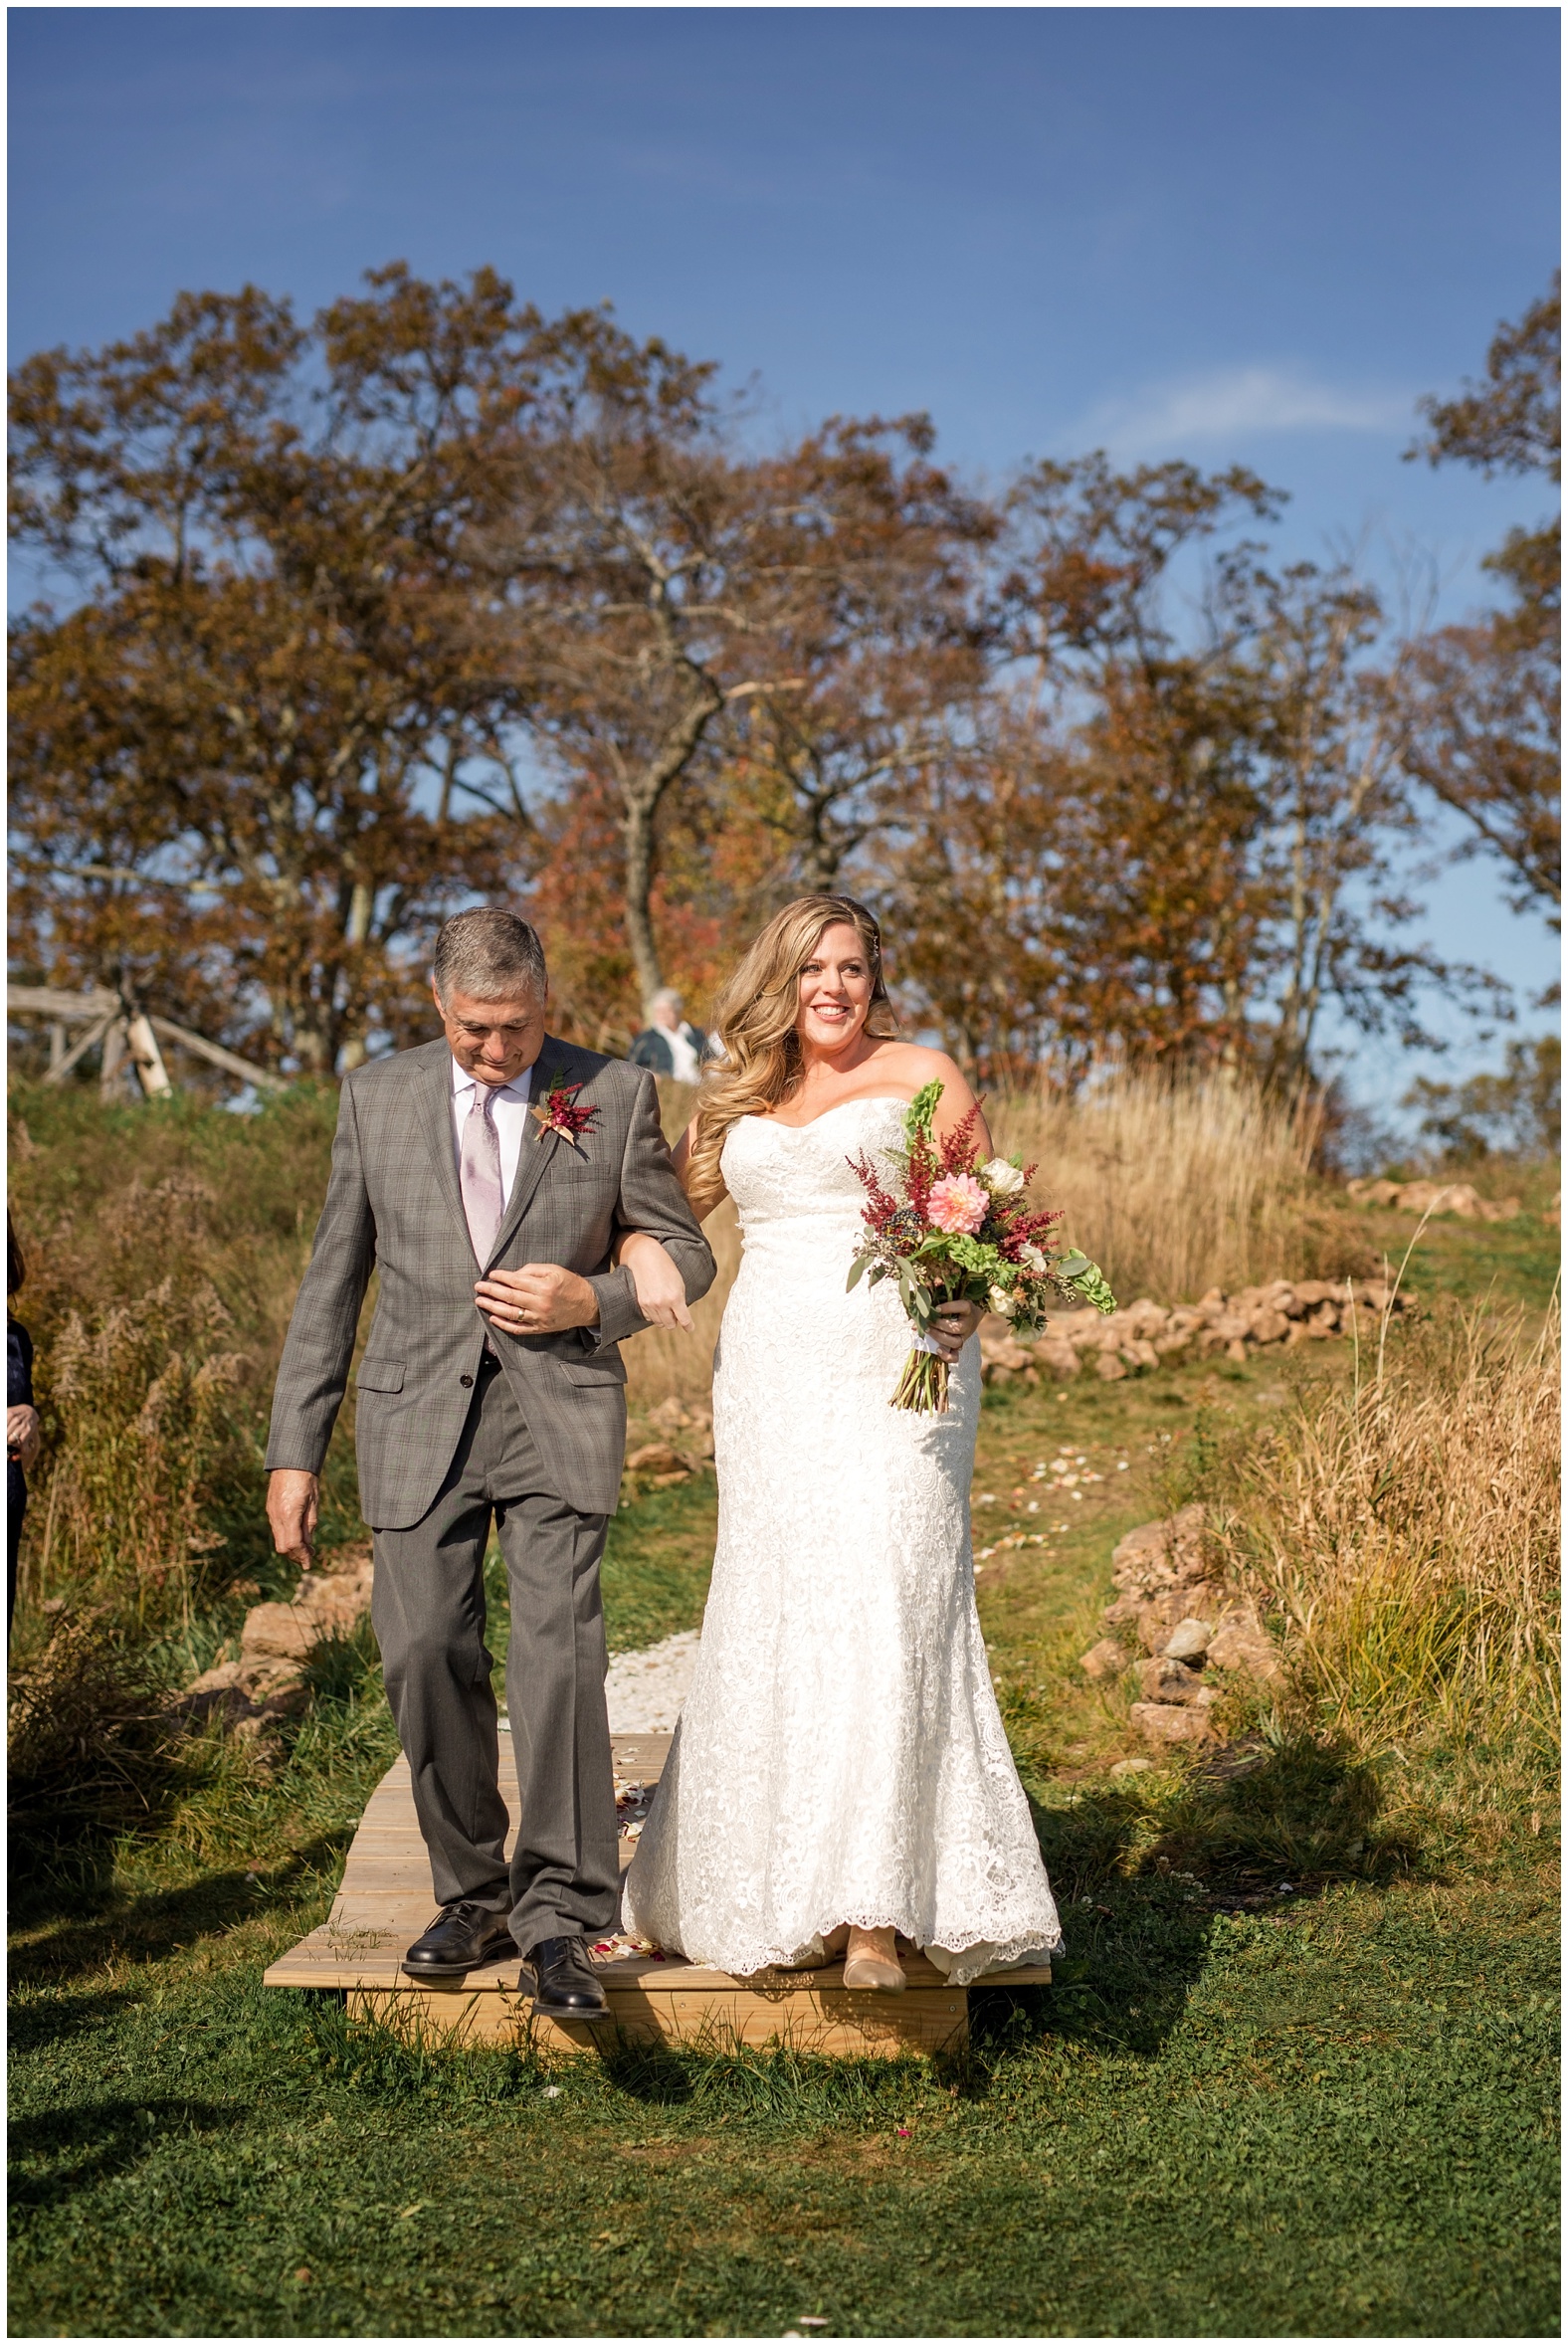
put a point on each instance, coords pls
(1001, 1178)
(948, 1232)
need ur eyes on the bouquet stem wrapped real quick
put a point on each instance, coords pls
(954, 1230)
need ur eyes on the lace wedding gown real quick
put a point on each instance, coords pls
(840, 1757)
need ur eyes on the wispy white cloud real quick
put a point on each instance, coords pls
(1237, 403)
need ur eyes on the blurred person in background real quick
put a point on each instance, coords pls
(669, 1046)
(23, 1430)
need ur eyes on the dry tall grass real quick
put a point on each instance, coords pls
(163, 1252)
(1407, 1531)
(1172, 1183)
(666, 1363)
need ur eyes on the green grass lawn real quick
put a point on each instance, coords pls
(1296, 2075)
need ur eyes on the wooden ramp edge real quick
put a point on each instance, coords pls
(385, 1902)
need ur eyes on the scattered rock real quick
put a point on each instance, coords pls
(277, 1641)
(1164, 1680)
(337, 1601)
(1159, 1616)
(692, 1423)
(1189, 1640)
(1160, 1555)
(657, 1458)
(1187, 1623)
(1268, 1326)
(284, 1631)
(1159, 1721)
(216, 1692)
(1132, 1767)
(1435, 1197)
(1242, 1642)
(1105, 1660)
(1145, 1335)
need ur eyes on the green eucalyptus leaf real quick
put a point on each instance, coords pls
(1085, 1278)
(922, 1110)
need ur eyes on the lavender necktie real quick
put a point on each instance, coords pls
(478, 1172)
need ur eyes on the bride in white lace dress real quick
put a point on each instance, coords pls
(840, 1772)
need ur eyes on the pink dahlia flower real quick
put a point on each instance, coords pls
(957, 1205)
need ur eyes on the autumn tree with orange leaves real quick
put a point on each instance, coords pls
(240, 759)
(434, 598)
(688, 621)
(1481, 703)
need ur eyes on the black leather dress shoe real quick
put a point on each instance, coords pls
(461, 1938)
(564, 1980)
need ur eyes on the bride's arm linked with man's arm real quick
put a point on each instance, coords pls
(383, 1212)
(660, 1290)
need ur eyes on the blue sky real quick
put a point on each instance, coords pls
(1249, 235)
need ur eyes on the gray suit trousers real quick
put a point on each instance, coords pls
(428, 1610)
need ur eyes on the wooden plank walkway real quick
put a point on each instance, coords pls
(385, 1902)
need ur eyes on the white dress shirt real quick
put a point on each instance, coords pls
(680, 1042)
(509, 1115)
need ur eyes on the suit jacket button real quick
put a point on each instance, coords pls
(465, 1380)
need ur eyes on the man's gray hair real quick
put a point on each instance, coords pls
(668, 997)
(490, 955)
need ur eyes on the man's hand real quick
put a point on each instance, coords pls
(952, 1324)
(23, 1434)
(294, 1501)
(539, 1299)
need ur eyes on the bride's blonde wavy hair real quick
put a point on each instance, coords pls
(756, 1018)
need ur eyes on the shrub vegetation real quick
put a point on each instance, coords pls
(1296, 2074)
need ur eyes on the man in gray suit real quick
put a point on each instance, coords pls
(486, 1178)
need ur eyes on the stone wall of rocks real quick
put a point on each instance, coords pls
(277, 1642)
(685, 1446)
(1435, 1198)
(1175, 1621)
(1148, 1335)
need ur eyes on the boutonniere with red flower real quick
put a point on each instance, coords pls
(558, 1111)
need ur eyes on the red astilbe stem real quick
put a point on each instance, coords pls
(925, 1167)
(960, 1149)
(1027, 1230)
(881, 1204)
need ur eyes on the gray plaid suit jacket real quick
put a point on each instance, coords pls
(394, 1206)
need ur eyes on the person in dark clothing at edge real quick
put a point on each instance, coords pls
(23, 1431)
(669, 1046)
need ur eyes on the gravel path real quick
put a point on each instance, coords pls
(645, 1690)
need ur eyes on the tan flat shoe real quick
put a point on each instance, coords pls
(868, 1970)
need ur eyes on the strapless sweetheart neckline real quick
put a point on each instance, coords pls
(868, 1099)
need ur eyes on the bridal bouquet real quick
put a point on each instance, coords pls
(954, 1230)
